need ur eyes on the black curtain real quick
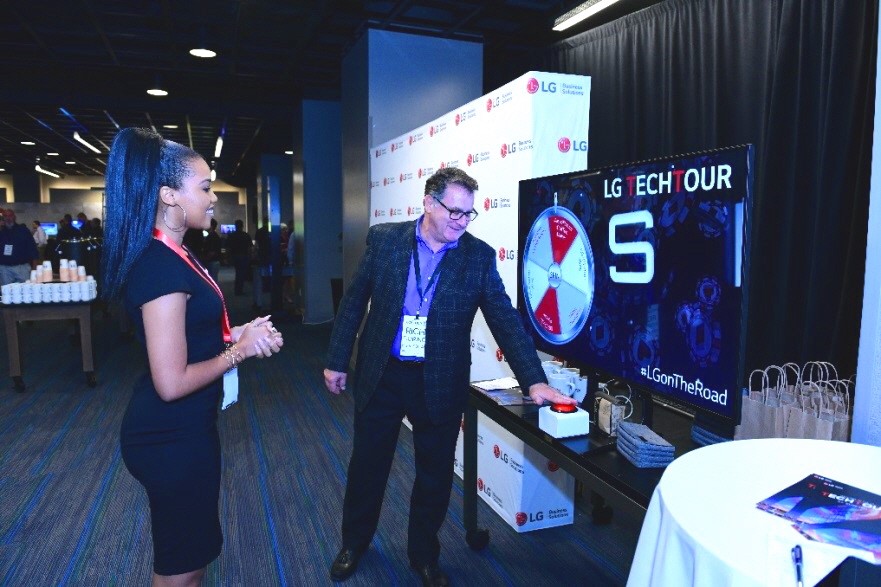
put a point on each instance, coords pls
(794, 77)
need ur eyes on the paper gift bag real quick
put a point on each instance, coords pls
(760, 414)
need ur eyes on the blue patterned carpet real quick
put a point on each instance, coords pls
(70, 514)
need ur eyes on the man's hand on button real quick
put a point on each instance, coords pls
(542, 392)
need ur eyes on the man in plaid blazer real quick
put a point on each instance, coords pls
(414, 359)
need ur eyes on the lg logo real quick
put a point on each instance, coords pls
(565, 145)
(500, 357)
(509, 254)
(489, 104)
(504, 151)
(521, 517)
(553, 467)
(486, 204)
(458, 119)
(533, 86)
(499, 454)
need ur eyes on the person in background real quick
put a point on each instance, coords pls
(97, 231)
(155, 191)
(85, 225)
(40, 238)
(194, 240)
(238, 243)
(18, 251)
(424, 281)
(66, 229)
(212, 250)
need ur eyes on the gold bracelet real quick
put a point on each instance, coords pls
(232, 356)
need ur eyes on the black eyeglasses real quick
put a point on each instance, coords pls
(455, 213)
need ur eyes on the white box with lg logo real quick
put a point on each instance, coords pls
(526, 489)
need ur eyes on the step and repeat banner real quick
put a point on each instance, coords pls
(533, 126)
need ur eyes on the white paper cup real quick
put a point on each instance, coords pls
(562, 383)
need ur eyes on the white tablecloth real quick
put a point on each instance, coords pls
(702, 526)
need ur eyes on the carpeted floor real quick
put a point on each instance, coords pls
(70, 514)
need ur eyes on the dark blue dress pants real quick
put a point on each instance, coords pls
(401, 392)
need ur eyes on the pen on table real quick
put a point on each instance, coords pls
(796, 560)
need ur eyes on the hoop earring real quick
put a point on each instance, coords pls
(180, 228)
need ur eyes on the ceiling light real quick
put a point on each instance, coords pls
(581, 12)
(170, 126)
(46, 172)
(288, 152)
(28, 143)
(52, 154)
(203, 53)
(81, 140)
(2, 170)
(218, 146)
(70, 162)
(157, 92)
(213, 175)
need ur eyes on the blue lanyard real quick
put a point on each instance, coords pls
(418, 273)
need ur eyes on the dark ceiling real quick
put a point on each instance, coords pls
(85, 66)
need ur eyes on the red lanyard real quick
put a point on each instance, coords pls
(180, 252)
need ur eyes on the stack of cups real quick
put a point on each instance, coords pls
(566, 380)
(12, 293)
(47, 271)
(63, 270)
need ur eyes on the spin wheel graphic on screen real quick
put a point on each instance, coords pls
(558, 274)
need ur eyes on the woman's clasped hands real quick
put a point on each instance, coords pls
(258, 338)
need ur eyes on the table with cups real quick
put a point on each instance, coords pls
(43, 298)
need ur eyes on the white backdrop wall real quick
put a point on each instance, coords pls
(533, 126)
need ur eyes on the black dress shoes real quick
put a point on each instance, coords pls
(345, 563)
(431, 575)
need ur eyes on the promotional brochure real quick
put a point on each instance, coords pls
(832, 512)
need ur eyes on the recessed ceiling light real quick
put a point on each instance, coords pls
(2, 170)
(203, 53)
(171, 126)
(288, 152)
(71, 162)
(28, 143)
(157, 92)
(52, 154)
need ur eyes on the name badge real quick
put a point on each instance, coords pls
(413, 337)
(7, 250)
(230, 388)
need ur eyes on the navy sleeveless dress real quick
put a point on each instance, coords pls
(173, 448)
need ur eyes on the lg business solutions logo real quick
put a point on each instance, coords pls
(499, 100)
(514, 147)
(475, 158)
(564, 88)
(464, 115)
(436, 129)
(494, 203)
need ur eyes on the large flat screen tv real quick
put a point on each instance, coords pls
(637, 271)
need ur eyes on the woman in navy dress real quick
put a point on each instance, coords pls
(156, 190)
